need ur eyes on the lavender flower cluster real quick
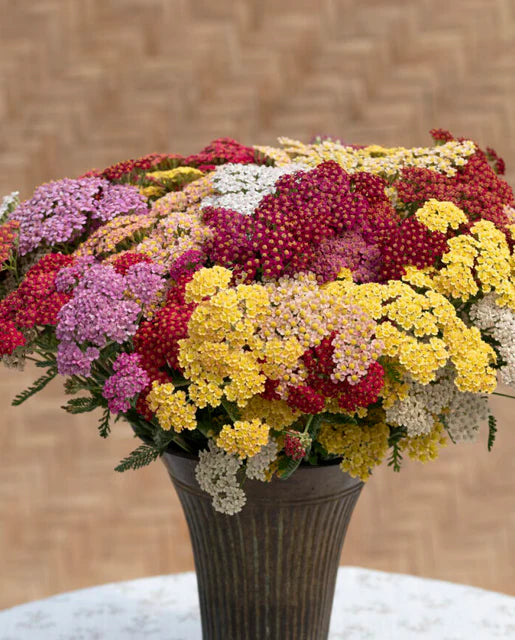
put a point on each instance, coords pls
(102, 309)
(128, 380)
(60, 211)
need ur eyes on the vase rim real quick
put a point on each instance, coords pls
(305, 465)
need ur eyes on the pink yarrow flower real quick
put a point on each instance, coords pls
(128, 380)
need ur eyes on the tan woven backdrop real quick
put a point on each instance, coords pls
(84, 83)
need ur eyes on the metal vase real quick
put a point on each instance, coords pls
(268, 572)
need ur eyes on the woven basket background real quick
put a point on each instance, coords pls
(85, 84)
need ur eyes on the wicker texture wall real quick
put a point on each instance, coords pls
(84, 84)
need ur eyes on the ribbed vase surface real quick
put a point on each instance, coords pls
(268, 572)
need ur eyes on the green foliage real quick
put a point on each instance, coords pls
(73, 385)
(396, 435)
(231, 408)
(318, 455)
(336, 418)
(286, 467)
(390, 370)
(43, 364)
(315, 425)
(496, 345)
(103, 428)
(492, 430)
(40, 384)
(163, 438)
(81, 405)
(47, 342)
(443, 420)
(395, 459)
(140, 457)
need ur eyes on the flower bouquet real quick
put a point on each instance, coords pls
(268, 309)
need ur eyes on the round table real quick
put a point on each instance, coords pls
(369, 605)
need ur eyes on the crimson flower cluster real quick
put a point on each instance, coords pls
(286, 231)
(129, 169)
(36, 302)
(221, 151)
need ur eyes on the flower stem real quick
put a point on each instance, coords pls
(308, 423)
(504, 395)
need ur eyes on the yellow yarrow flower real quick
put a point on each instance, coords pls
(207, 283)
(419, 277)
(153, 191)
(244, 438)
(387, 162)
(279, 156)
(493, 264)
(395, 388)
(362, 448)
(425, 447)
(171, 407)
(477, 262)
(276, 413)
(440, 215)
(222, 354)
(281, 355)
(174, 177)
(471, 356)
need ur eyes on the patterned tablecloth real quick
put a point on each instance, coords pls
(369, 605)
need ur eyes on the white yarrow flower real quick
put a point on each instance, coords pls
(241, 187)
(258, 465)
(499, 322)
(464, 412)
(216, 473)
(8, 205)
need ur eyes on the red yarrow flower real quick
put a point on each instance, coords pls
(305, 399)
(124, 262)
(294, 447)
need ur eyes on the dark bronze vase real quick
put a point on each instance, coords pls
(268, 572)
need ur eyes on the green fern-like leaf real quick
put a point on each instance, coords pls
(395, 459)
(396, 435)
(45, 363)
(80, 405)
(287, 466)
(140, 457)
(103, 428)
(492, 430)
(40, 384)
(163, 438)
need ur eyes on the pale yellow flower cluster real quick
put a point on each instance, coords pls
(426, 446)
(244, 438)
(190, 196)
(120, 232)
(169, 179)
(480, 261)
(171, 407)
(361, 447)
(276, 413)
(301, 315)
(439, 215)
(388, 162)
(173, 235)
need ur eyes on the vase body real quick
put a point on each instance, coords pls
(268, 572)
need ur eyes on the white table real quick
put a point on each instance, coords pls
(369, 605)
